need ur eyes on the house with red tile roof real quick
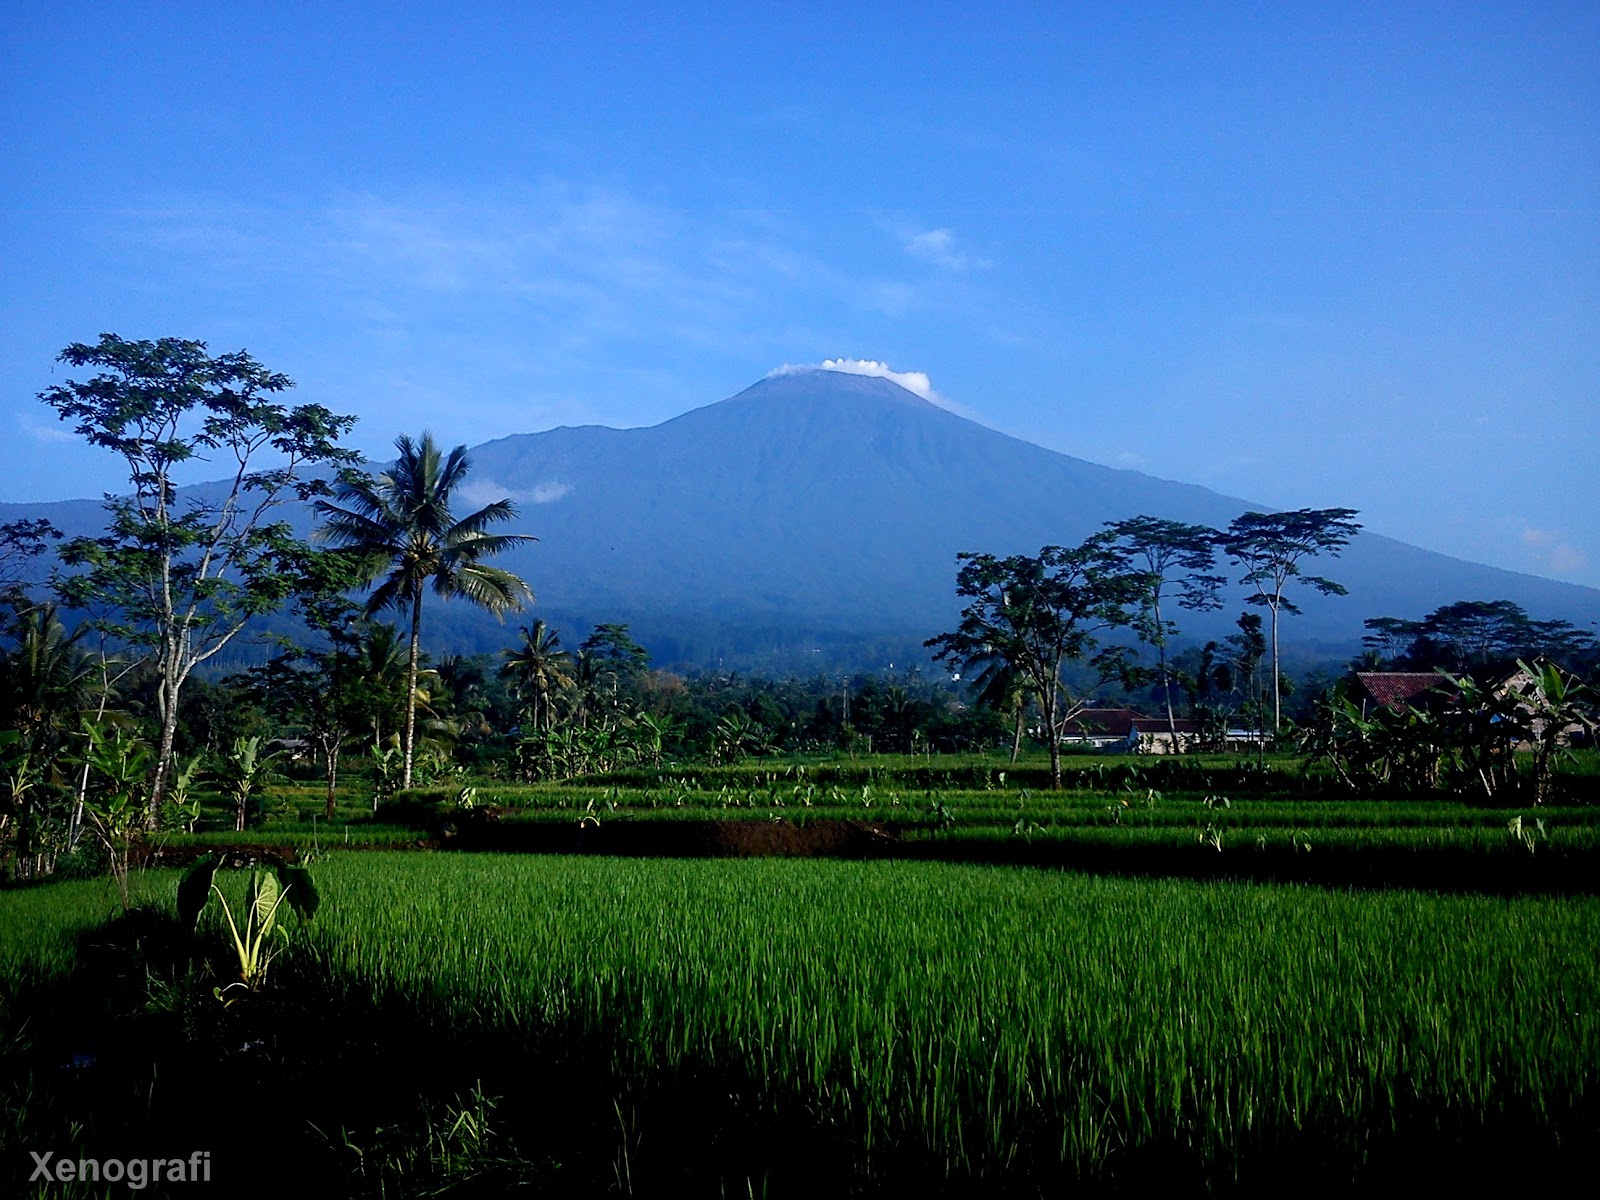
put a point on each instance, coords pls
(1397, 689)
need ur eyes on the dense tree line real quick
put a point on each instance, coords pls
(1476, 635)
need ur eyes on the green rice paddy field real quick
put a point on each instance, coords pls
(596, 1025)
(1190, 817)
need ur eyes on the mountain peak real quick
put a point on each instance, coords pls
(812, 402)
(823, 383)
(915, 382)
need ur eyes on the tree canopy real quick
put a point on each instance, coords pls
(1040, 613)
(1167, 555)
(1470, 634)
(1268, 549)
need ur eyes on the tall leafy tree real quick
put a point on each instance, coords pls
(1387, 640)
(321, 691)
(1205, 678)
(609, 665)
(1172, 561)
(401, 528)
(1249, 647)
(183, 576)
(382, 664)
(1041, 613)
(329, 689)
(463, 686)
(1472, 633)
(1268, 549)
(618, 660)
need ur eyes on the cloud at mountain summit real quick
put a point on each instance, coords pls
(916, 382)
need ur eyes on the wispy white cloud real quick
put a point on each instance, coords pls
(575, 268)
(938, 247)
(574, 265)
(516, 310)
(1555, 553)
(475, 493)
(548, 492)
(45, 431)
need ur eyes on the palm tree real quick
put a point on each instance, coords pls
(380, 665)
(587, 675)
(538, 669)
(1000, 686)
(47, 680)
(46, 683)
(400, 526)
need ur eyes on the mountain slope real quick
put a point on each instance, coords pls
(818, 503)
(830, 498)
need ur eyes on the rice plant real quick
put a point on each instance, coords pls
(994, 1021)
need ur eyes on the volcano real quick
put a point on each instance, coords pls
(819, 509)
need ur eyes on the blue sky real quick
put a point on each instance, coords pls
(1305, 254)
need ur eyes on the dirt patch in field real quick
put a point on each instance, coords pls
(677, 839)
(241, 854)
(233, 855)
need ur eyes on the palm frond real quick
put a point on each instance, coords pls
(476, 523)
(454, 470)
(490, 588)
(366, 495)
(393, 592)
(345, 528)
(473, 549)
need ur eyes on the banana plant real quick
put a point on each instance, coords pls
(1556, 706)
(21, 777)
(650, 735)
(182, 809)
(736, 735)
(257, 933)
(242, 774)
(387, 762)
(1485, 725)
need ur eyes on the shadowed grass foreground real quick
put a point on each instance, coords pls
(787, 1026)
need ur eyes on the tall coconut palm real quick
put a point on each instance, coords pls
(399, 524)
(538, 669)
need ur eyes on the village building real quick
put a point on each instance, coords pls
(1396, 690)
(1124, 731)
(1400, 690)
